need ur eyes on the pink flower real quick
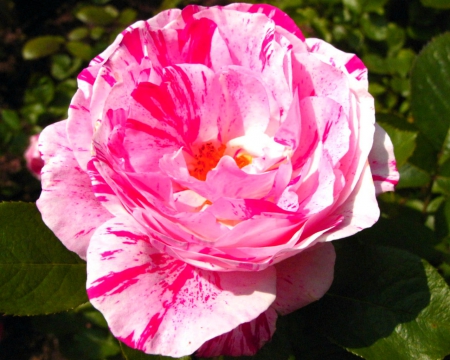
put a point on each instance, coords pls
(33, 157)
(209, 158)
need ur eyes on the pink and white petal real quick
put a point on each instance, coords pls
(196, 41)
(227, 180)
(80, 128)
(163, 18)
(145, 145)
(288, 133)
(103, 191)
(258, 232)
(359, 211)
(160, 305)
(276, 15)
(181, 100)
(245, 340)
(246, 48)
(220, 54)
(316, 191)
(245, 104)
(362, 128)
(67, 202)
(382, 162)
(332, 124)
(304, 278)
(86, 79)
(346, 62)
(314, 77)
(162, 48)
(281, 181)
(225, 209)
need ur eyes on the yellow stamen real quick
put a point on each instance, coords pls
(243, 160)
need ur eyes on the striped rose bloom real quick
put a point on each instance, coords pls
(209, 157)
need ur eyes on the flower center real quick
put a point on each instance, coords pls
(208, 156)
(206, 159)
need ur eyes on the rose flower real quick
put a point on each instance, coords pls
(209, 157)
(33, 157)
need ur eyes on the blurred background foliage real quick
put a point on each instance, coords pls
(45, 44)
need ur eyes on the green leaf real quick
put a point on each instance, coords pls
(404, 232)
(373, 5)
(41, 89)
(293, 339)
(430, 90)
(79, 334)
(412, 176)
(375, 63)
(38, 275)
(11, 118)
(78, 33)
(401, 63)
(41, 46)
(396, 37)
(64, 66)
(437, 4)
(97, 32)
(132, 354)
(425, 156)
(404, 142)
(441, 185)
(97, 15)
(374, 26)
(80, 50)
(385, 303)
(127, 16)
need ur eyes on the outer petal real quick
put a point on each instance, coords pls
(349, 63)
(382, 162)
(304, 278)
(79, 126)
(67, 203)
(245, 340)
(360, 210)
(279, 17)
(160, 305)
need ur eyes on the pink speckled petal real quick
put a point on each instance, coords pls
(245, 340)
(247, 48)
(225, 180)
(359, 211)
(382, 162)
(161, 305)
(197, 38)
(245, 104)
(279, 17)
(163, 18)
(67, 203)
(288, 134)
(79, 128)
(317, 78)
(182, 100)
(349, 63)
(304, 278)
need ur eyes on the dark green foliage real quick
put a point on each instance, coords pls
(38, 275)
